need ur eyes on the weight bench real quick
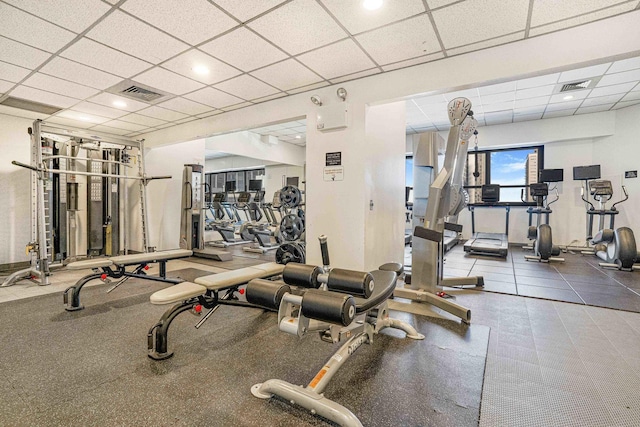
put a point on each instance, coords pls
(337, 315)
(205, 292)
(116, 268)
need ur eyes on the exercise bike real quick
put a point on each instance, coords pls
(543, 248)
(616, 247)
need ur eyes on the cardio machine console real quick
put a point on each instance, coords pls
(539, 190)
(599, 188)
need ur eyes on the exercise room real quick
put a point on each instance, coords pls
(320, 212)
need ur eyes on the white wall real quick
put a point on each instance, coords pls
(164, 196)
(15, 194)
(249, 144)
(233, 162)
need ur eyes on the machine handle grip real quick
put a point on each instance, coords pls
(189, 195)
(325, 250)
(626, 197)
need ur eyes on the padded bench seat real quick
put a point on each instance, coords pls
(90, 263)
(132, 259)
(215, 282)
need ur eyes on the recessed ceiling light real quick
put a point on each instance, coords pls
(568, 97)
(120, 104)
(84, 118)
(372, 4)
(200, 69)
(298, 137)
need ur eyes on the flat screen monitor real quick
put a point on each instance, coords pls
(293, 180)
(551, 175)
(230, 186)
(581, 173)
(255, 184)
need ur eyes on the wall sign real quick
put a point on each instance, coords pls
(334, 159)
(334, 173)
(631, 174)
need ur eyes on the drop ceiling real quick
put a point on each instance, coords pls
(67, 53)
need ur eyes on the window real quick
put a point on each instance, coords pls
(513, 169)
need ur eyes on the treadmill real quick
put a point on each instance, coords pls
(496, 244)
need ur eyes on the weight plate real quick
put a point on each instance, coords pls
(290, 196)
(291, 252)
(291, 227)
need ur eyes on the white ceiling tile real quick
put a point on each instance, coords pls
(549, 79)
(286, 75)
(69, 122)
(125, 125)
(415, 61)
(18, 112)
(23, 27)
(631, 96)
(162, 114)
(12, 73)
(547, 11)
(486, 43)
(498, 98)
(625, 104)
(584, 73)
(433, 4)
(497, 88)
(497, 121)
(594, 109)
(527, 117)
(338, 59)
(244, 49)
(582, 19)
(577, 94)
(209, 114)
(539, 109)
(99, 110)
(624, 77)
(357, 19)
(193, 21)
(168, 125)
(532, 102)
(431, 99)
(81, 116)
(213, 97)
(167, 81)
(188, 119)
(355, 76)
(500, 106)
(141, 120)
(569, 105)
(618, 66)
(403, 40)
(75, 15)
(269, 98)
(244, 10)
(184, 64)
(612, 90)
(79, 73)
(5, 86)
(237, 106)
(467, 22)
(307, 25)
(136, 38)
(558, 113)
(534, 92)
(111, 130)
(43, 97)
(470, 94)
(114, 101)
(96, 55)
(185, 106)
(246, 87)
(610, 99)
(59, 86)
(21, 54)
(306, 88)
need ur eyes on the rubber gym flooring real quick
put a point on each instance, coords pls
(90, 367)
(578, 280)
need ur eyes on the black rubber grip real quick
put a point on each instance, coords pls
(329, 307)
(266, 293)
(351, 282)
(301, 275)
(324, 249)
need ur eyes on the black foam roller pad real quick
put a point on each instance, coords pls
(266, 293)
(301, 275)
(329, 306)
(352, 282)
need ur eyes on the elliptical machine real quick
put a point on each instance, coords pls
(616, 247)
(543, 247)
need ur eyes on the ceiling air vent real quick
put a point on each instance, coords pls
(139, 92)
(575, 86)
(30, 105)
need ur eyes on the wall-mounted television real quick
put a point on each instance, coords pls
(581, 173)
